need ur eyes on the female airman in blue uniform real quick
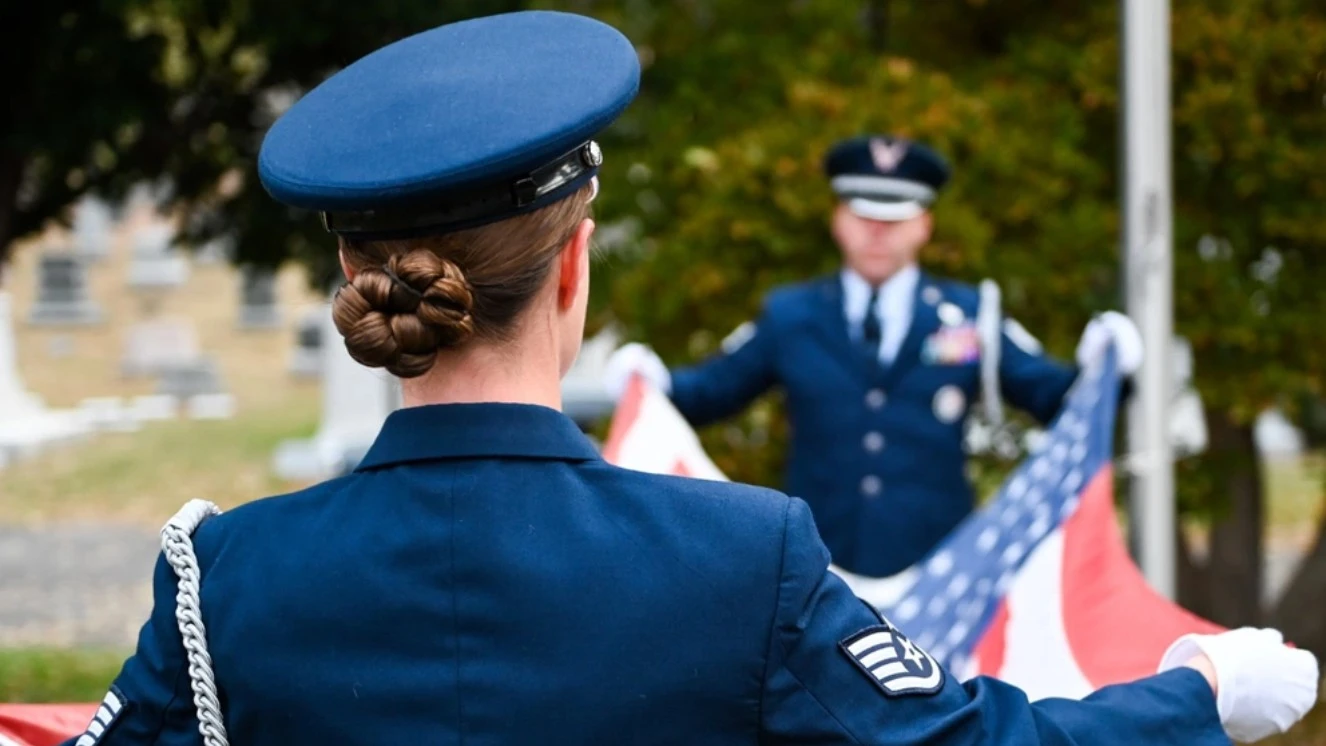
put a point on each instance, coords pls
(483, 576)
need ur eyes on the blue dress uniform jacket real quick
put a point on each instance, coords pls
(485, 578)
(877, 452)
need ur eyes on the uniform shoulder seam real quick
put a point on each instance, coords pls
(773, 633)
(777, 604)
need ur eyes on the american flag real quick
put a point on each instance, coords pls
(1035, 588)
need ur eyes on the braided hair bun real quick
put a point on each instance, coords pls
(398, 315)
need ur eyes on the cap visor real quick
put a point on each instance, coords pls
(888, 211)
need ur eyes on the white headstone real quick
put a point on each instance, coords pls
(211, 407)
(216, 251)
(155, 265)
(154, 407)
(14, 400)
(258, 304)
(306, 357)
(194, 378)
(109, 414)
(355, 402)
(62, 292)
(93, 225)
(25, 423)
(153, 347)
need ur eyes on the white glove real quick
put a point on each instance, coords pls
(1263, 686)
(1112, 325)
(634, 358)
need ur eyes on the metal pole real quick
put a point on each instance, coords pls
(1148, 243)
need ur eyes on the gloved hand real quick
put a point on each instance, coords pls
(634, 358)
(1121, 329)
(1263, 686)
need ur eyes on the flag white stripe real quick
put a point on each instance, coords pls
(113, 702)
(660, 438)
(104, 715)
(1037, 655)
(95, 728)
(870, 641)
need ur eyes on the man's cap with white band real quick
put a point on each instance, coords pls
(881, 177)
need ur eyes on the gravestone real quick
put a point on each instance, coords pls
(153, 347)
(26, 425)
(211, 407)
(154, 407)
(216, 251)
(355, 402)
(198, 387)
(93, 226)
(197, 377)
(155, 266)
(14, 400)
(258, 305)
(306, 358)
(62, 293)
(109, 414)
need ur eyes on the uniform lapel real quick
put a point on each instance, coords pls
(925, 320)
(831, 327)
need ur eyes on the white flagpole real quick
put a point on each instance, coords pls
(1148, 278)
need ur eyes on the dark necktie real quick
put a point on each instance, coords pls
(870, 331)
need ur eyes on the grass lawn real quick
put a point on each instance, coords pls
(1296, 496)
(143, 478)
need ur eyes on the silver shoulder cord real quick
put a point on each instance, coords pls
(177, 545)
(989, 323)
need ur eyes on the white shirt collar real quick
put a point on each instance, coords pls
(894, 307)
(895, 295)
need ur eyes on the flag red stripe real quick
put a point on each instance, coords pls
(990, 650)
(44, 724)
(628, 411)
(1117, 625)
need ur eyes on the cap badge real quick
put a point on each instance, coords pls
(592, 154)
(887, 155)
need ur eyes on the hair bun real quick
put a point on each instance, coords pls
(399, 315)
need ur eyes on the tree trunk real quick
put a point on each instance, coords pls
(877, 24)
(1301, 612)
(1193, 581)
(1234, 565)
(11, 175)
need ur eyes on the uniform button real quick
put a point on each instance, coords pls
(870, 486)
(875, 398)
(874, 442)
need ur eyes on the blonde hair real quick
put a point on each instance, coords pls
(411, 298)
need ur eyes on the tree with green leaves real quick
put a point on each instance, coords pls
(123, 91)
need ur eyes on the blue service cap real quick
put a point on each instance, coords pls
(885, 178)
(458, 126)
